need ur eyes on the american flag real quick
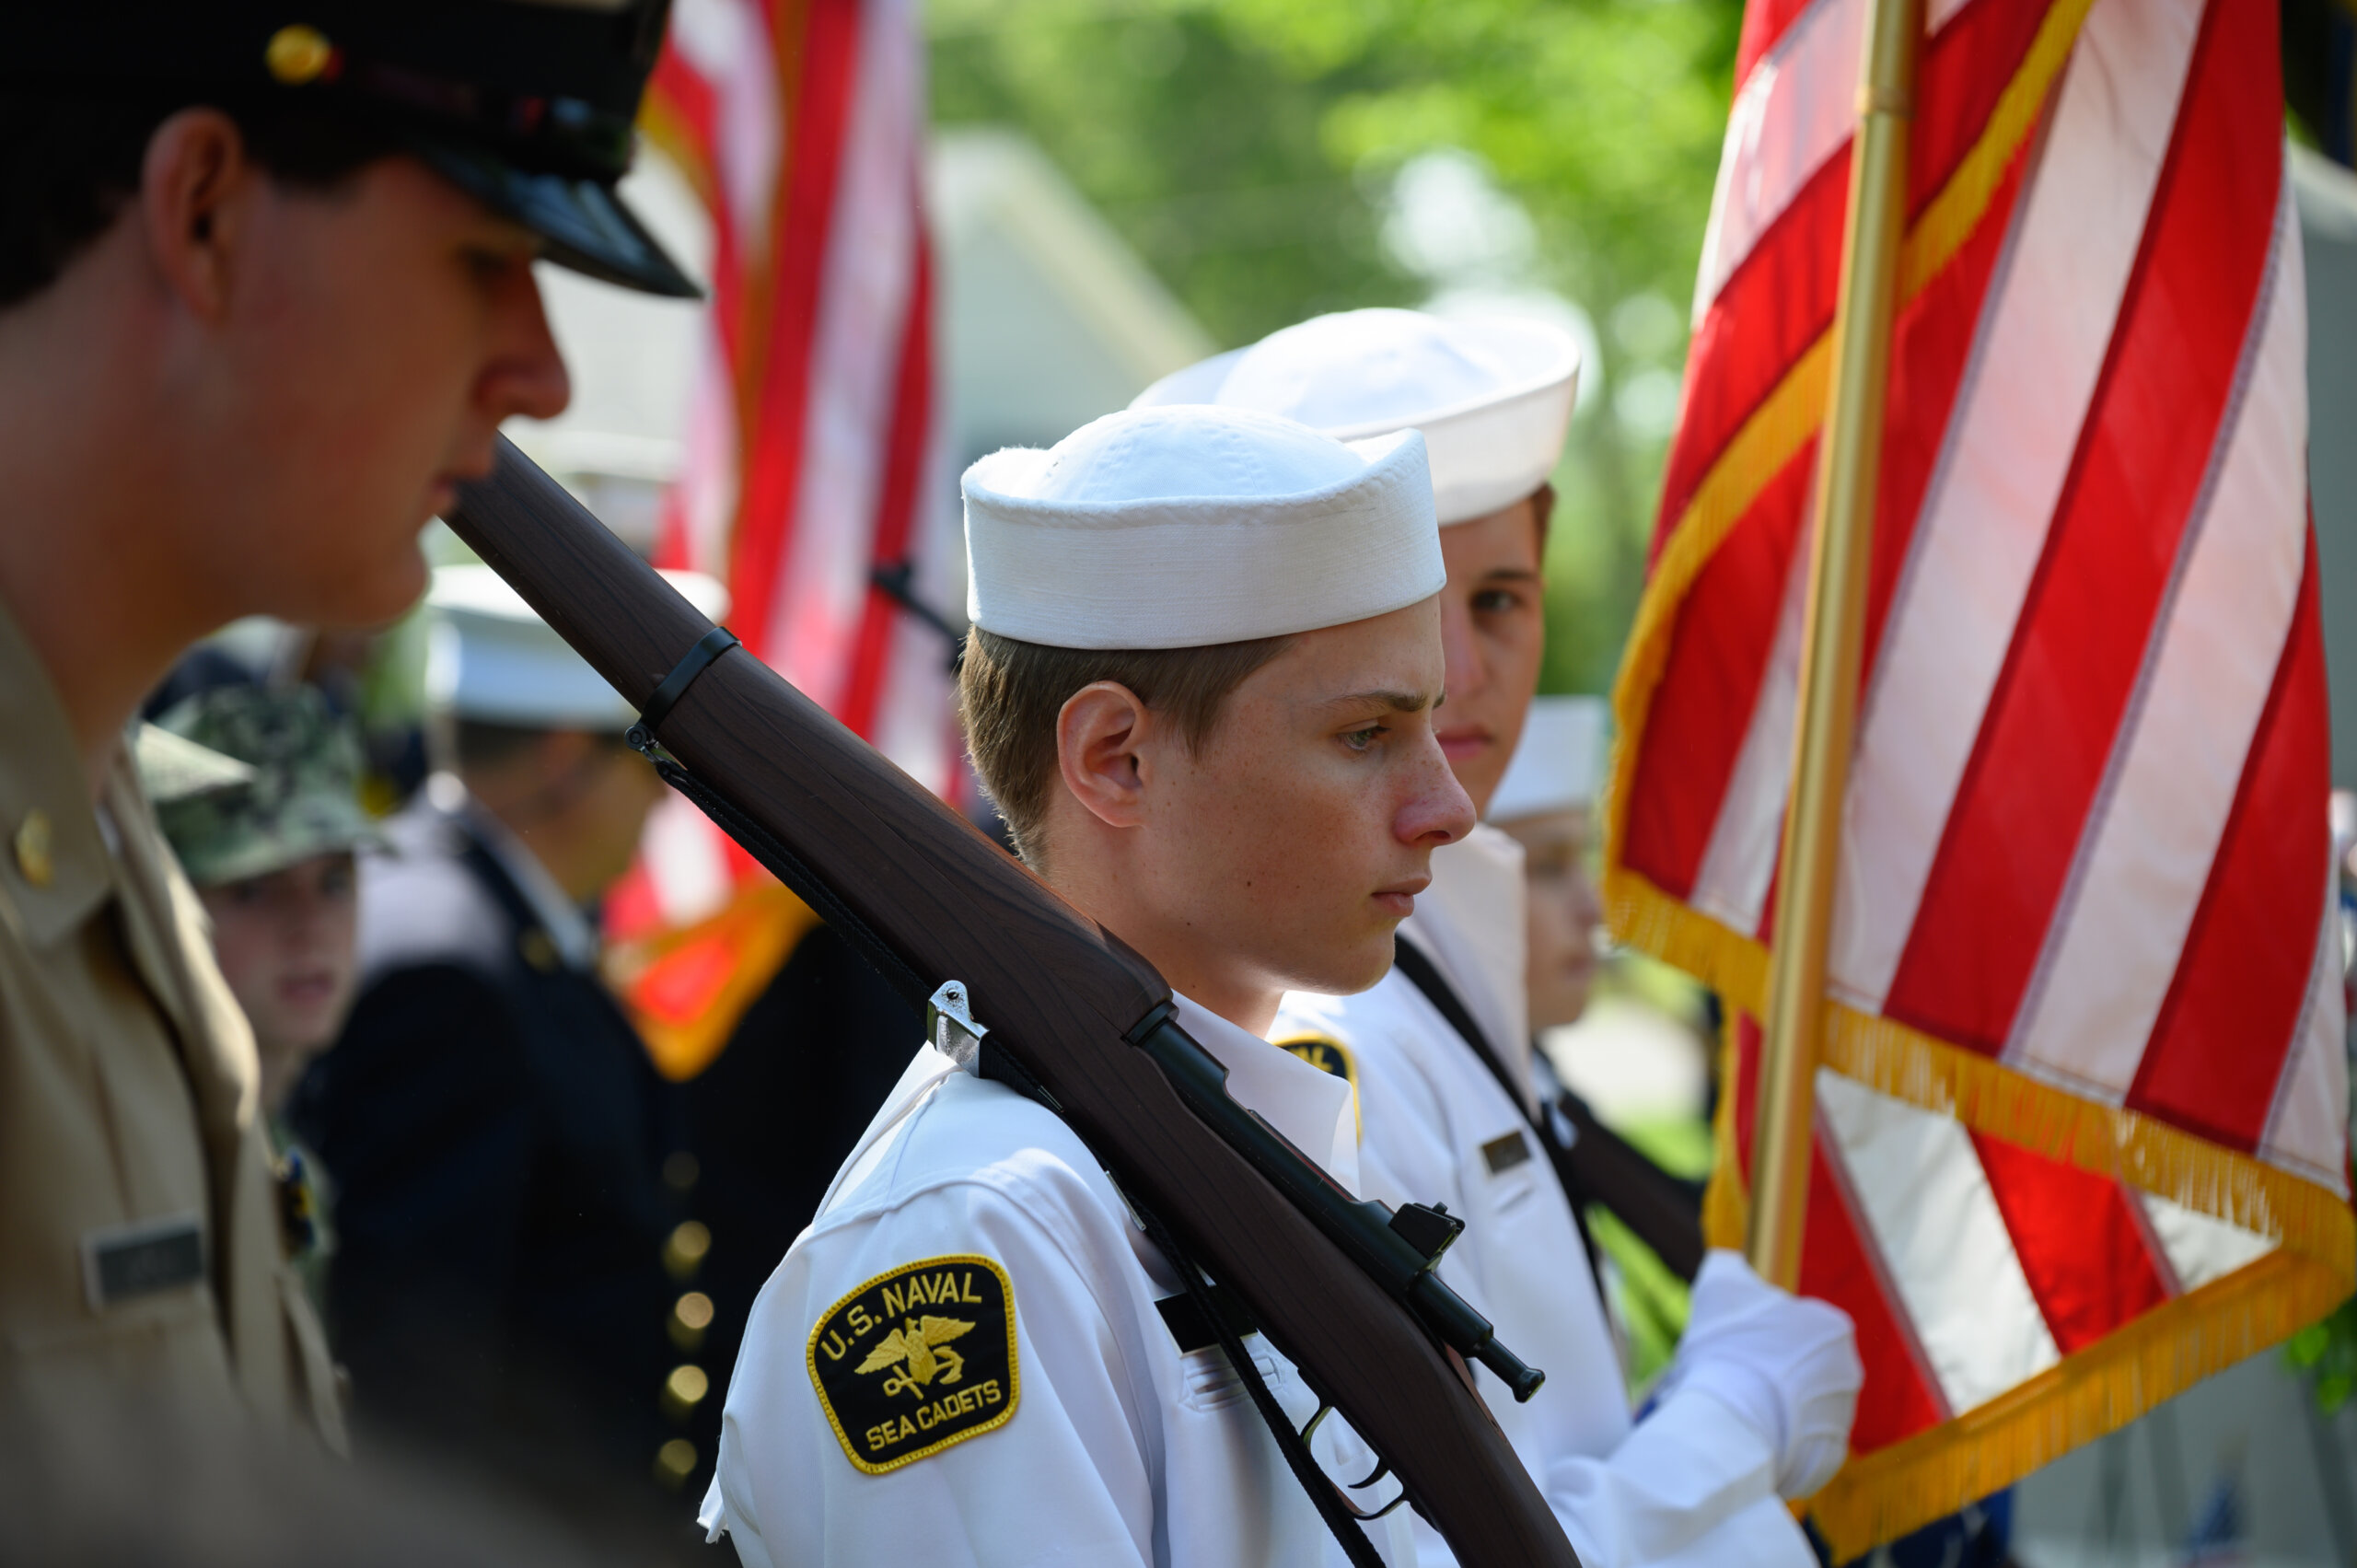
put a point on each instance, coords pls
(2082, 1116)
(814, 483)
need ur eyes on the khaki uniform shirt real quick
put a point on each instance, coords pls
(140, 1257)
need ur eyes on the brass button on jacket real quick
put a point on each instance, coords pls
(32, 849)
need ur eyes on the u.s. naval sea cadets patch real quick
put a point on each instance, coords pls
(916, 1360)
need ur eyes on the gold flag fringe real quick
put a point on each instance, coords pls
(1727, 1198)
(2306, 1215)
(1883, 1495)
(2094, 1392)
(2228, 1184)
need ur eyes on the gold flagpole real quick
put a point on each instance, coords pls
(1850, 462)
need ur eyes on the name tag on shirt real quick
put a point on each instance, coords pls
(1193, 1329)
(124, 1262)
(1504, 1153)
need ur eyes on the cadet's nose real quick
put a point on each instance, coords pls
(527, 373)
(1438, 811)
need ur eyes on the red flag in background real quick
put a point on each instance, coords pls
(814, 483)
(2082, 1133)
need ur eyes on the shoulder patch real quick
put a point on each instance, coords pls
(1329, 1055)
(917, 1360)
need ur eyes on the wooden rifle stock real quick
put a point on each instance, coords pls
(1068, 1003)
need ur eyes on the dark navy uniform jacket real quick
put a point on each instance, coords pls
(494, 1135)
(774, 1116)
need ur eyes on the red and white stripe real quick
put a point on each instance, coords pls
(2084, 833)
(816, 446)
(2092, 729)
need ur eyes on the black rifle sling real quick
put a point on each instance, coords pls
(1325, 1494)
(1221, 1316)
(1594, 1163)
(1426, 976)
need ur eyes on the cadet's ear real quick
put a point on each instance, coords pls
(190, 183)
(1099, 734)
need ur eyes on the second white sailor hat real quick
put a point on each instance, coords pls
(1184, 527)
(1493, 396)
(1559, 763)
(491, 659)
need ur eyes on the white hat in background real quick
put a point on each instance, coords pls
(492, 659)
(1184, 527)
(1491, 396)
(1559, 762)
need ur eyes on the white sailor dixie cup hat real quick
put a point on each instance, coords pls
(1559, 762)
(1189, 526)
(491, 659)
(1491, 396)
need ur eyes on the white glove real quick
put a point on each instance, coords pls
(1785, 1364)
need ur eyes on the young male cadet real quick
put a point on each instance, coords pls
(266, 294)
(1758, 1404)
(1200, 687)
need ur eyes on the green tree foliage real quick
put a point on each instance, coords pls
(2327, 1352)
(1249, 149)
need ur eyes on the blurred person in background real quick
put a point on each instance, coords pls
(1543, 803)
(511, 1263)
(273, 860)
(266, 296)
(784, 1043)
(274, 863)
(1546, 803)
(371, 677)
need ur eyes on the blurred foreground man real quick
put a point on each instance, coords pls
(265, 294)
(494, 1130)
(1757, 1407)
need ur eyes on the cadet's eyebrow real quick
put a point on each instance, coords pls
(1398, 702)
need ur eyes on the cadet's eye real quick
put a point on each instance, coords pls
(1362, 738)
(1496, 602)
(492, 266)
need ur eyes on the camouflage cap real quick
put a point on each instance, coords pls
(173, 769)
(303, 799)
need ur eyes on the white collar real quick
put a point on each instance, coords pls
(1314, 1110)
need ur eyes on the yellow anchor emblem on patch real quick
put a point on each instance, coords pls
(922, 1343)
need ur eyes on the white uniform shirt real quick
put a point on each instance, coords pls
(1114, 1448)
(1692, 1484)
